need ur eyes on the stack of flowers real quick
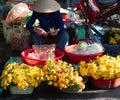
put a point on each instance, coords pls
(112, 40)
(57, 73)
(112, 36)
(104, 72)
(62, 75)
(106, 67)
(21, 75)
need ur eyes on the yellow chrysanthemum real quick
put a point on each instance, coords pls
(106, 67)
(112, 41)
(21, 75)
(117, 37)
(61, 74)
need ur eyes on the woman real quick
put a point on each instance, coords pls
(51, 24)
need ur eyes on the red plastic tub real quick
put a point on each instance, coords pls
(105, 84)
(76, 58)
(58, 53)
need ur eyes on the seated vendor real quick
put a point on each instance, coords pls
(51, 25)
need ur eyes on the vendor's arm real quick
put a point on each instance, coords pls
(31, 21)
(32, 28)
(60, 21)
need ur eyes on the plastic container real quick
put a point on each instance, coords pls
(76, 58)
(111, 49)
(58, 53)
(105, 84)
(15, 90)
(72, 89)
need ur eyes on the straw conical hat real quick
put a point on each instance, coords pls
(46, 6)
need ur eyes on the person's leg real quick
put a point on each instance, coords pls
(37, 39)
(62, 40)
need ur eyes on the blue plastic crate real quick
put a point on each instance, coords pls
(111, 49)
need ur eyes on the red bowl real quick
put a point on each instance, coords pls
(58, 56)
(76, 58)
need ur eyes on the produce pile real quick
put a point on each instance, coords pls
(85, 48)
(105, 66)
(21, 75)
(42, 52)
(62, 74)
(57, 73)
(112, 36)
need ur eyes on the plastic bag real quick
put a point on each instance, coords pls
(14, 59)
(8, 35)
(43, 51)
(20, 38)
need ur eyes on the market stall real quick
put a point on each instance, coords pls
(47, 64)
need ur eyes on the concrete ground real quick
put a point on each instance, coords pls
(44, 92)
(50, 93)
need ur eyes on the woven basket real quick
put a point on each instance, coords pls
(17, 13)
(111, 49)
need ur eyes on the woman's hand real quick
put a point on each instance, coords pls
(53, 31)
(40, 31)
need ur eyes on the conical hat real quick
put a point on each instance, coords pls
(46, 6)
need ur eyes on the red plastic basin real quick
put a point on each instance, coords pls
(76, 58)
(58, 56)
(105, 84)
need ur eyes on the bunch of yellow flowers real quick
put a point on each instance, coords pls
(62, 75)
(105, 66)
(112, 36)
(21, 75)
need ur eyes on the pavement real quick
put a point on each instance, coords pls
(44, 92)
(51, 93)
